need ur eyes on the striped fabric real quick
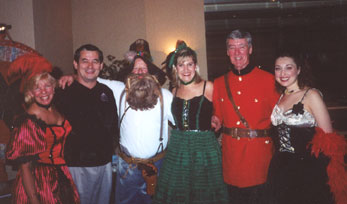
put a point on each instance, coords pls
(43, 149)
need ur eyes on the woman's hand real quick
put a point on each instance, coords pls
(215, 123)
(29, 183)
(65, 80)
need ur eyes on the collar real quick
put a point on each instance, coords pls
(82, 87)
(244, 71)
(44, 106)
(189, 82)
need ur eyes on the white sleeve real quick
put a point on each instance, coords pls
(167, 97)
(116, 86)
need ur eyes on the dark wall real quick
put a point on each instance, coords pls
(320, 34)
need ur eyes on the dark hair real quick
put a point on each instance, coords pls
(88, 47)
(184, 52)
(305, 76)
(240, 34)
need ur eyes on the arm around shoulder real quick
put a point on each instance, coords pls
(116, 86)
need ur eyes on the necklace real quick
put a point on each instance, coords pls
(188, 82)
(288, 92)
(44, 106)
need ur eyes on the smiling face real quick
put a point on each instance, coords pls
(185, 68)
(88, 68)
(43, 92)
(140, 67)
(239, 51)
(286, 72)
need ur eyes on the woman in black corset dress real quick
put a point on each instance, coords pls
(192, 168)
(308, 166)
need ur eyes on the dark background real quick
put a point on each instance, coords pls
(316, 29)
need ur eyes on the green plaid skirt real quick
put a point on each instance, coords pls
(192, 170)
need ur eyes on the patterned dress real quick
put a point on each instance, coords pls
(192, 167)
(43, 145)
(295, 175)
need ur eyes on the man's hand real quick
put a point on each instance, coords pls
(65, 80)
(216, 123)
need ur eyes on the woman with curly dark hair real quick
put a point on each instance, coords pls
(308, 165)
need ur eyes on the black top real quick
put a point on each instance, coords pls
(92, 114)
(192, 114)
(296, 175)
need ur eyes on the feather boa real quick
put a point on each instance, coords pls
(333, 146)
(28, 65)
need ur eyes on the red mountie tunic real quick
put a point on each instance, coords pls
(34, 141)
(246, 161)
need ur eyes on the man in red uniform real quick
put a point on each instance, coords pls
(246, 145)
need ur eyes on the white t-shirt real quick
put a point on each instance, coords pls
(140, 130)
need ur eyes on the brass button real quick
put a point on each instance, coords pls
(240, 78)
(256, 100)
(238, 92)
(238, 107)
(222, 99)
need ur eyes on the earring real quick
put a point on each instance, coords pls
(197, 69)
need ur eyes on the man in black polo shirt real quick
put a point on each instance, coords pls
(91, 109)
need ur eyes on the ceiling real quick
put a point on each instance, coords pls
(233, 5)
(223, 14)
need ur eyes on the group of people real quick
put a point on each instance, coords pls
(299, 160)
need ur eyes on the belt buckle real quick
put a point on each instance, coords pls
(236, 134)
(253, 134)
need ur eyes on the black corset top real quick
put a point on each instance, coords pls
(192, 114)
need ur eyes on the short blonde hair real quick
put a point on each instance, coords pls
(33, 81)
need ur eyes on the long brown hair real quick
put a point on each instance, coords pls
(305, 76)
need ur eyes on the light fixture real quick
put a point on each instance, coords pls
(4, 27)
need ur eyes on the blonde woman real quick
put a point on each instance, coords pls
(37, 146)
(192, 167)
